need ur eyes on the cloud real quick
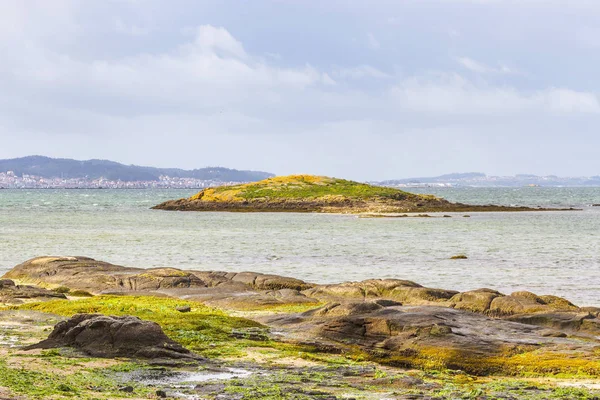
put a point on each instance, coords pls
(372, 41)
(481, 68)
(213, 39)
(455, 95)
(212, 73)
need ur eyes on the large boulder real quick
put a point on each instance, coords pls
(475, 300)
(108, 336)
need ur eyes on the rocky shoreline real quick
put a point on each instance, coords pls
(341, 206)
(387, 325)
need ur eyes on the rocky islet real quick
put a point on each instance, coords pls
(310, 193)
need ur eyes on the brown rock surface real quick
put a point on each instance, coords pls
(527, 303)
(247, 290)
(475, 300)
(226, 289)
(11, 293)
(407, 292)
(420, 335)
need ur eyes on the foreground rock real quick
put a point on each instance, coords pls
(107, 336)
(392, 321)
(441, 337)
(309, 193)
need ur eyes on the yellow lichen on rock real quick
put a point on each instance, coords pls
(211, 194)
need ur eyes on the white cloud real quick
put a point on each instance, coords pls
(569, 101)
(213, 72)
(372, 41)
(454, 95)
(212, 39)
(481, 68)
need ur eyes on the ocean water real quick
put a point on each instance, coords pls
(544, 252)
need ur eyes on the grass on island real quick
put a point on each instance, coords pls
(302, 187)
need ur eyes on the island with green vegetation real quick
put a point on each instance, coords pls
(310, 193)
(79, 328)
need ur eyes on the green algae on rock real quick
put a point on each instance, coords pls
(309, 193)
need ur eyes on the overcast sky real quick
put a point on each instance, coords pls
(370, 89)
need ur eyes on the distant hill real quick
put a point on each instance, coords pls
(47, 167)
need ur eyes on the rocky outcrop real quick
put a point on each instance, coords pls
(85, 273)
(427, 336)
(227, 289)
(249, 290)
(583, 322)
(252, 280)
(11, 293)
(393, 289)
(108, 336)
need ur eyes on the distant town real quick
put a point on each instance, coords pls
(10, 180)
(478, 179)
(40, 172)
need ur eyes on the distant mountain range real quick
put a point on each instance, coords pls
(47, 167)
(478, 179)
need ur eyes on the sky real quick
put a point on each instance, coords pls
(366, 90)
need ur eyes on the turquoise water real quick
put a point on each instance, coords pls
(545, 252)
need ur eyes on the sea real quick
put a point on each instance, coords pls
(556, 252)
